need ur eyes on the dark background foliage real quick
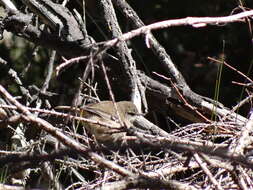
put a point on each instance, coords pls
(190, 47)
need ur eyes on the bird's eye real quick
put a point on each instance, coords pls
(131, 113)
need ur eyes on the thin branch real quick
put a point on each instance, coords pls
(189, 21)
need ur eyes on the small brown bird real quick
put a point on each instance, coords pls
(105, 112)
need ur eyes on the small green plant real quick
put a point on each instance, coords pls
(3, 174)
